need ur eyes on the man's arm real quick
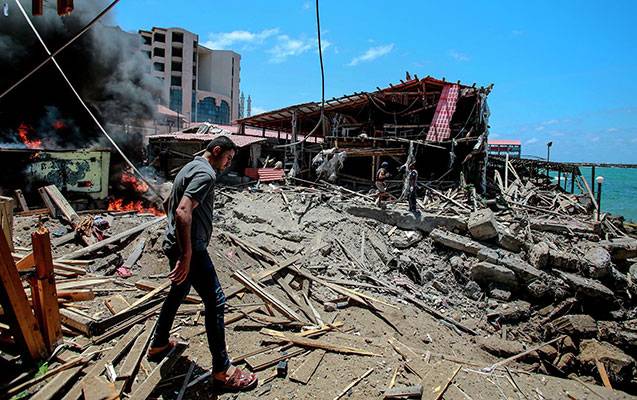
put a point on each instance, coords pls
(183, 222)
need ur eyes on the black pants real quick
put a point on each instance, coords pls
(203, 278)
(413, 206)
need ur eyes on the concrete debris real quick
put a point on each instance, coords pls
(619, 365)
(577, 325)
(539, 255)
(512, 312)
(587, 287)
(500, 347)
(485, 273)
(482, 225)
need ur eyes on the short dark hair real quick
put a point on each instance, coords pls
(223, 142)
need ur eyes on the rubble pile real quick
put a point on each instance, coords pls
(328, 295)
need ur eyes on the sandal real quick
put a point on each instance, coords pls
(238, 381)
(156, 354)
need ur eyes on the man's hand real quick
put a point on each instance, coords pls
(179, 274)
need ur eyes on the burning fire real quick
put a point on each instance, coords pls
(23, 133)
(137, 184)
(119, 205)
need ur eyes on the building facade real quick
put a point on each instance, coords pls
(198, 82)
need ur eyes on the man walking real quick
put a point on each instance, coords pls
(188, 231)
(381, 176)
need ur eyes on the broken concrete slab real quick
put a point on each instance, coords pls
(587, 287)
(524, 271)
(539, 255)
(564, 261)
(500, 294)
(510, 242)
(618, 364)
(482, 225)
(486, 273)
(512, 312)
(578, 325)
(620, 249)
(406, 220)
(455, 241)
(500, 347)
(598, 262)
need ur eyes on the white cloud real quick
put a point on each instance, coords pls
(612, 130)
(532, 140)
(223, 40)
(289, 47)
(371, 54)
(517, 32)
(306, 5)
(594, 139)
(458, 56)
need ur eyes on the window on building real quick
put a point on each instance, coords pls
(178, 52)
(194, 56)
(175, 99)
(175, 81)
(158, 66)
(194, 84)
(159, 52)
(178, 37)
(175, 66)
(160, 37)
(147, 39)
(194, 70)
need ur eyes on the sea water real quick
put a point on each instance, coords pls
(619, 190)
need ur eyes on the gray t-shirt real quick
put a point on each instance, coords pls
(195, 180)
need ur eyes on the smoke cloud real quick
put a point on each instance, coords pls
(105, 65)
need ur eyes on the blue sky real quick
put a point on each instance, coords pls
(563, 70)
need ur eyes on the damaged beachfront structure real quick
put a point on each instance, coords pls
(443, 125)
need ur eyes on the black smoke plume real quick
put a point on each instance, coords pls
(105, 65)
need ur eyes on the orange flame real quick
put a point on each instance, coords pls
(119, 205)
(137, 184)
(23, 133)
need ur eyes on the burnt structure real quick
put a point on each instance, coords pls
(444, 124)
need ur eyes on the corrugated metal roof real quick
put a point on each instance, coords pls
(239, 140)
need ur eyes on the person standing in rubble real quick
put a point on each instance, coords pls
(188, 231)
(413, 188)
(381, 176)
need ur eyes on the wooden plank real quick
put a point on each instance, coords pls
(148, 296)
(52, 388)
(63, 239)
(47, 202)
(130, 365)
(109, 357)
(147, 285)
(23, 202)
(316, 344)
(162, 370)
(257, 289)
(60, 201)
(116, 303)
(16, 306)
(113, 239)
(296, 299)
(43, 293)
(135, 254)
(77, 295)
(27, 261)
(438, 378)
(404, 392)
(6, 219)
(602, 373)
(304, 372)
(111, 329)
(76, 321)
(259, 362)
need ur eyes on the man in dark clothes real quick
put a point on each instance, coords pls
(381, 185)
(188, 232)
(413, 187)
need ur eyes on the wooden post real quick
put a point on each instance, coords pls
(506, 172)
(573, 181)
(6, 219)
(559, 178)
(47, 202)
(593, 180)
(43, 291)
(21, 200)
(16, 306)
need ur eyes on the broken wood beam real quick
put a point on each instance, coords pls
(304, 372)
(113, 239)
(162, 370)
(6, 219)
(23, 202)
(47, 202)
(60, 201)
(16, 306)
(43, 290)
(257, 289)
(146, 285)
(351, 385)
(316, 344)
